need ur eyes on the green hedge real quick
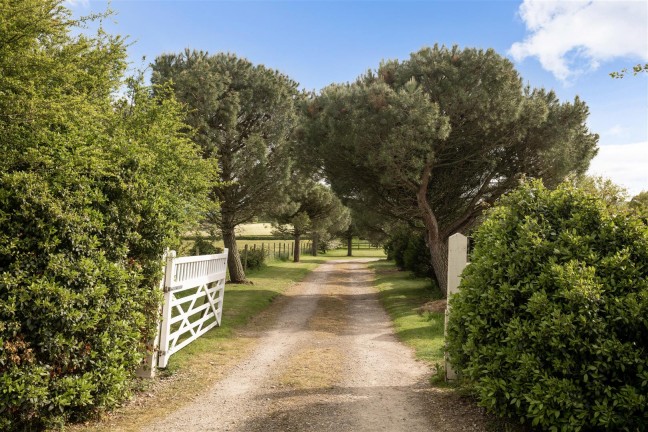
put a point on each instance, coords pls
(551, 321)
(91, 192)
(408, 250)
(255, 258)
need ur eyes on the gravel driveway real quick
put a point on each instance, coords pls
(329, 363)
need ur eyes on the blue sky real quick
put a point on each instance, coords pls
(568, 46)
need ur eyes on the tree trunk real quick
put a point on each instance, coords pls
(236, 272)
(436, 244)
(349, 245)
(439, 258)
(439, 255)
(315, 244)
(297, 249)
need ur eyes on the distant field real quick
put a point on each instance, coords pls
(254, 229)
(245, 230)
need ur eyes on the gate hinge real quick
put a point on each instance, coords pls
(172, 288)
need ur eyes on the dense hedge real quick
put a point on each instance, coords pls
(408, 250)
(204, 246)
(255, 258)
(91, 191)
(551, 321)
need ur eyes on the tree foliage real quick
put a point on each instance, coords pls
(243, 115)
(439, 137)
(639, 205)
(549, 324)
(312, 209)
(91, 191)
(408, 250)
(636, 70)
(612, 194)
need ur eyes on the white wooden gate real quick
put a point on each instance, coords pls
(193, 300)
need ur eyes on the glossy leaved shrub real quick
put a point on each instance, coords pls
(92, 189)
(551, 321)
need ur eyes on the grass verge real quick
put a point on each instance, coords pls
(401, 294)
(195, 368)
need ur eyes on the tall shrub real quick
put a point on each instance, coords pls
(91, 191)
(551, 321)
(408, 250)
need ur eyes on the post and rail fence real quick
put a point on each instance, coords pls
(275, 250)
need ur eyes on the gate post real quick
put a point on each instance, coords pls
(165, 325)
(457, 261)
(149, 364)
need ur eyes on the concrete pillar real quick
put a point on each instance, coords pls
(457, 261)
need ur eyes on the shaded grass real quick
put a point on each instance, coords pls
(401, 294)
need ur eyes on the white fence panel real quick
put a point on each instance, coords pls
(193, 300)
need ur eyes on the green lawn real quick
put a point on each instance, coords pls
(401, 294)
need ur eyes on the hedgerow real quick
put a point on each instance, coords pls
(408, 250)
(255, 258)
(551, 321)
(92, 189)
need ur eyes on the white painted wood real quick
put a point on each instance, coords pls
(186, 318)
(149, 364)
(457, 262)
(165, 326)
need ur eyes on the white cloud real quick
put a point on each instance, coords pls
(73, 3)
(569, 36)
(625, 164)
(616, 130)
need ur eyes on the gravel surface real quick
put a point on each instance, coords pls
(330, 362)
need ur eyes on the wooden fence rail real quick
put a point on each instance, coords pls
(274, 250)
(286, 249)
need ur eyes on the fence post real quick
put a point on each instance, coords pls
(457, 261)
(245, 253)
(149, 364)
(169, 276)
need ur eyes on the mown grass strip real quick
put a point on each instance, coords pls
(401, 294)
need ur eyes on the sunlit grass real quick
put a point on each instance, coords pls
(401, 294)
